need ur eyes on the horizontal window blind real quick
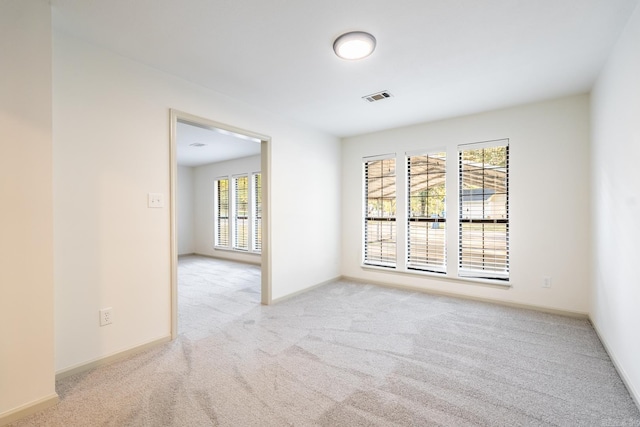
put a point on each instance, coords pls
(426, 219)
(222, 212)
(257, 212)
(484, 210)
(241, 213)
(380, 212)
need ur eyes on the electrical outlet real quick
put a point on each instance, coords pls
(155, 200)
(106, 316)
(546, 282)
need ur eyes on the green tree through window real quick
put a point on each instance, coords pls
(222, 212)
(484, 210)
(426, 222)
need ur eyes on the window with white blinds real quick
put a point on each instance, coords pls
(221, 197)
(426, 220)
(257, 212)
(484, 210)
(241, 212)
(380, 211)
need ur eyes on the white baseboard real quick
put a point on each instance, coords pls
(48, 401)
(302, 291)
(28, 409)
(85, 366)
(575, 314)
(236, 256)
(634, 392)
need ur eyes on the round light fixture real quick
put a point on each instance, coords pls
(354, 45)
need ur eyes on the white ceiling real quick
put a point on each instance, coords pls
(218, 145)
(439, 58)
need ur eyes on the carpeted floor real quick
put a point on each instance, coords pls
(348, 354)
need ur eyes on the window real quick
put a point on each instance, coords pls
(380, 211)
(257, 212)
(426, 222)
(414, 239)
(238, 212)
(484, 210)
(221, 197)
(241, 212)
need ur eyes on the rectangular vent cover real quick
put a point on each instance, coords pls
(378, 96)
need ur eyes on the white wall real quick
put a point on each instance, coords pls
(549, 199)
(111, 148)
(204, 205)
(185, 215)
(26, 217)
(615, 307)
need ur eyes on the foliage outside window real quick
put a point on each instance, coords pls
(222, 212)
(380, 212)
(426, 220)
(238, 213)
(484, 210)
(482, 205)
(257, 212)
(241, 213)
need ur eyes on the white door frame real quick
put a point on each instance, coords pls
(265, 160)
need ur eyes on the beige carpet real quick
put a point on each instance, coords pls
(349, 354)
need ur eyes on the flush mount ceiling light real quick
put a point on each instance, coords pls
(354, 45)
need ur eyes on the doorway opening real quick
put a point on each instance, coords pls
(219, 209)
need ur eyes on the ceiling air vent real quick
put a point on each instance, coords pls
(378, 96)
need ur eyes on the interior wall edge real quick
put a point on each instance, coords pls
(635, 394)
(28, 409)
(114, 357)
(305, 290)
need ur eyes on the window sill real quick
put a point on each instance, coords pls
(236, 251)
(441, 276)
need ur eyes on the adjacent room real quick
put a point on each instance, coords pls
(329, 213)
(219, 226)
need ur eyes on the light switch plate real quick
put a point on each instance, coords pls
(156, 200)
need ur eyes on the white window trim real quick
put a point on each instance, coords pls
(253, 213)
(438, 276)
(476, 275)
(232, 235)
(484, 144)
(215, 213)
(451, 179)
(405, 260)
(363, 198)
(233, 213)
